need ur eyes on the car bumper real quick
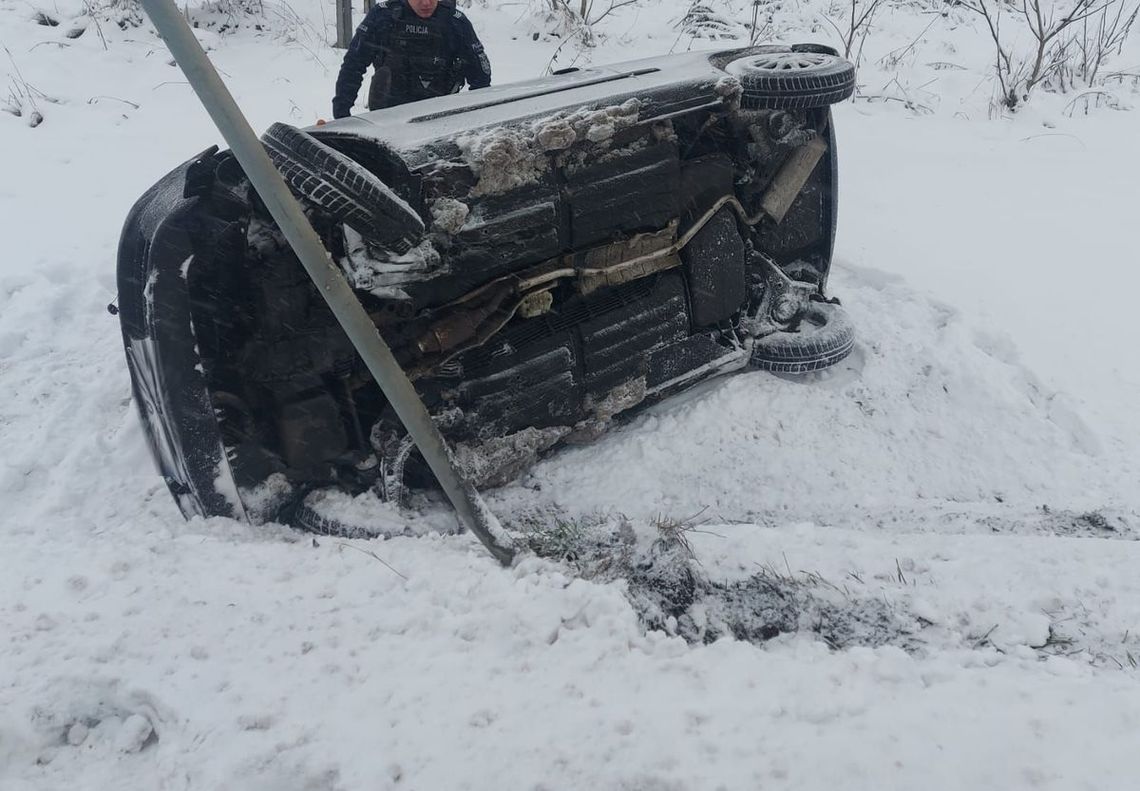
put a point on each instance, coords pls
(167, 377)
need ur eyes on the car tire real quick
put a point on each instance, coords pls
(307, 518)
(343, 188)
(825, 337)
(792, 79)
(310, 516)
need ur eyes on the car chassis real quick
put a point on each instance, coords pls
(541, 257)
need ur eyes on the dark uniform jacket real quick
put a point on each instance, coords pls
(414, 58)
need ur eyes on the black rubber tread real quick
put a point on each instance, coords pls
(832, 81)
(343, 188)
(823, 49)
(826, 337)
(306, 518)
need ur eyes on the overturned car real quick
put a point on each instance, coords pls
(541, 257)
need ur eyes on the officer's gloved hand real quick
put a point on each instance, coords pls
(340, 111)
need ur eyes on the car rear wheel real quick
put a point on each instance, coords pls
(346, 190)
(825, 336)
(792, 80)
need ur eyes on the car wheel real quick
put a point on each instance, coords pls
(346, 190)
(825, 336)
(792, 80)
(308, 518)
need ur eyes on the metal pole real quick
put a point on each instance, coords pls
(343, 23)
(287, 213)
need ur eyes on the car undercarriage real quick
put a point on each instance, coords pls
(536, 276)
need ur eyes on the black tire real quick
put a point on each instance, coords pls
(307, 518)
(353, 195)
(792, 80)
(825, 337)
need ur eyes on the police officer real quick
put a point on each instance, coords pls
(419, 49)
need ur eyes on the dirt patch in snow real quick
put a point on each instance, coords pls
(669, 592)
(1099, 523)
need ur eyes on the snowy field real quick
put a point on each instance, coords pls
(956, 507)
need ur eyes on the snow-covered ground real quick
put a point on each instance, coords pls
(971, 475)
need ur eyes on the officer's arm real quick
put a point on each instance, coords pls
(476, 67)
(358, 57)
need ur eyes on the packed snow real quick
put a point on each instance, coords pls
(943, 527)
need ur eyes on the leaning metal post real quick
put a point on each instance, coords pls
(287, 213)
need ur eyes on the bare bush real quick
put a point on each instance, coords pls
(125, 14)
(854, 24)
(702, 20)
(221, 14)
(224, 14)
(578, 17)
(574, 22)
(1051, 41)
(896, 91)
(1089, 101)
(897, 56)
(763, 22)
(23, 99)
(1100, 37)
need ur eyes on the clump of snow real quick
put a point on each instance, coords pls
(579, 159)
(555, 135)
(625, 396)
(265, 499)
(503, 159)
(449, 214)
(499, 459)
(593, 125)
(729, 88)
(383, 276)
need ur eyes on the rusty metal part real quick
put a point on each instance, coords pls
(460, 326)
(535, 304)
(784, 301)
(638, 268)
(474, 335)
(791, 178)
(617, 253)
(630, 259)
